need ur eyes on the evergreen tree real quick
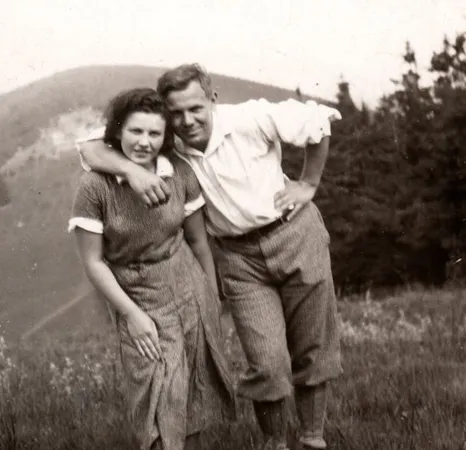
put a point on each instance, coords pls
(393, 194)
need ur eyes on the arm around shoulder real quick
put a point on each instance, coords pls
(97, 156)
(100, 157)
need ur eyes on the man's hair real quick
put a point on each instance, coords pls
(177, 79)
(124, 104)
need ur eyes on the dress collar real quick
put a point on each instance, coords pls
(164, 169)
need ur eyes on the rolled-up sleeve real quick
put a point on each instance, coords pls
(87, 211)
(95, 135)
(293, 122)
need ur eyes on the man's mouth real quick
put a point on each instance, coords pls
(192, 131)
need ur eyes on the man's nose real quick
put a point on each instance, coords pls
(188, 119)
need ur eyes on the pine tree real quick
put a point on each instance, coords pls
(393, 194)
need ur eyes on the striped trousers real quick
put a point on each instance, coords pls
(281, 294)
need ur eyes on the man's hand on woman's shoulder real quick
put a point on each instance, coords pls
(151, 188)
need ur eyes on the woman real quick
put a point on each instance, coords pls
(155, 268)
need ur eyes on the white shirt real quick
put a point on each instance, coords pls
(240, 171)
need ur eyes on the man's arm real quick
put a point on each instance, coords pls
(97, 156)
(292, 122)
(298, 193)
(306, 125)
(315, 157)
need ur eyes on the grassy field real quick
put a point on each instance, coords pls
(403, 386)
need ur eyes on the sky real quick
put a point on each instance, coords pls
(307, 43)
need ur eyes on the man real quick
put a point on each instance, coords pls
(273, 247)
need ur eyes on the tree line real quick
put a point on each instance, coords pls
(393, 194)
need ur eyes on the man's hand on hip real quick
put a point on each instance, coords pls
(150, 187)
(294, 197)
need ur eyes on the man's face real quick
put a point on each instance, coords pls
(191, 115)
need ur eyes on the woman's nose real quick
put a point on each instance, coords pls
(143, 140)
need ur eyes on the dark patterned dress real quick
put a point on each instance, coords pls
(190, 389)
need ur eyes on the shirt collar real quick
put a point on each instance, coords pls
(222, 125)
(164, 169)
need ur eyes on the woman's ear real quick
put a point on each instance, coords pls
(214, 97)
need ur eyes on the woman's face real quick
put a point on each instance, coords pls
(142, 137)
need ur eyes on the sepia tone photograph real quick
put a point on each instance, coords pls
(233, 225)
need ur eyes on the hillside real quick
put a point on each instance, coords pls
(39, 267)
(24, 111)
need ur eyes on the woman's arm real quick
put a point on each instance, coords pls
(141, 327)
(196, 237)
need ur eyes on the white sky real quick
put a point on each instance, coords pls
(310, 43)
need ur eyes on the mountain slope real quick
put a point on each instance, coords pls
(24, 111)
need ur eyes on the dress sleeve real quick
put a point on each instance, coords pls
(87, 211)
(194, 199)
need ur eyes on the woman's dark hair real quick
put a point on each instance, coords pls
(128, 102)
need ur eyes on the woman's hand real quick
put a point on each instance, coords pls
(143, 331)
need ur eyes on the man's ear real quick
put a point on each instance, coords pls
(214, 97)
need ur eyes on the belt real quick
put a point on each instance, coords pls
(257, 232)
